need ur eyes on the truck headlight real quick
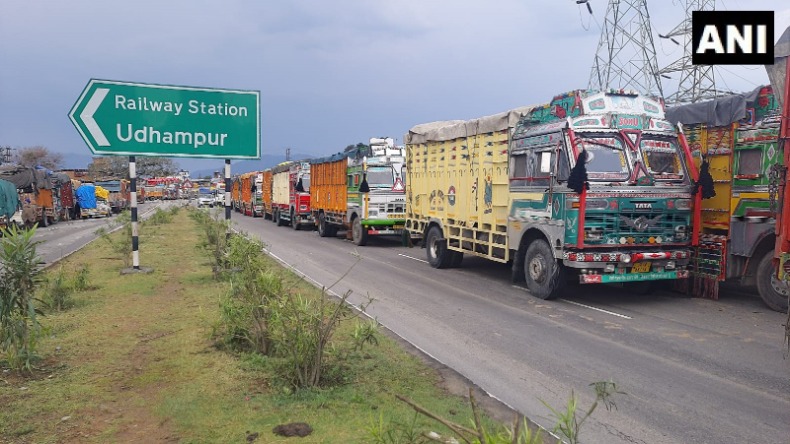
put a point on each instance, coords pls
(683, 204)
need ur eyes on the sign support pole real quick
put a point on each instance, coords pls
(133, 196)
(227, 194)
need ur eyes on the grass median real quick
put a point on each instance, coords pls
(135, 360)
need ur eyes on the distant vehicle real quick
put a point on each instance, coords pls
(206, 198)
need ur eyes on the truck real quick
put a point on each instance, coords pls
(737, 137)
(39, 203)
(266, 193)
(251, 196)
(235, 193)
(9, 203)
(291, 194)
(88, 204)
(361, 191)
(592, 187)
(779, 186)
(118, 191)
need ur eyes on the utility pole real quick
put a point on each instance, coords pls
(5, 154)
(697, 82)
(626, 55)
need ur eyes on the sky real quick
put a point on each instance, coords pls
(330, 73)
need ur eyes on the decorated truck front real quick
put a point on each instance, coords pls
(592, 187)
(377, 195)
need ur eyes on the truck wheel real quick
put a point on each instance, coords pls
(278, 219)
(323, 230)
(44, 220)
(294, 221)
(438, 255)
(771, 289)
(456, 257)
(359, 235)
(542, 272)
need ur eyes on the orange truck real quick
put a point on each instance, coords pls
(246, 182)
(266, 193)
(235, 193)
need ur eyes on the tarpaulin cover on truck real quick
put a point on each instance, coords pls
(25, 178)
(102, 192)
(456, 129)
(113, 186)
(59, 179)
(9, 199)
(721, 111)
(86, 196)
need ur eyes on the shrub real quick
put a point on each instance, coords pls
(19, 277)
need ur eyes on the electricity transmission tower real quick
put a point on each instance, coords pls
(626, 56)
(697, 82)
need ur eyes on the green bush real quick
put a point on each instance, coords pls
(19, 277)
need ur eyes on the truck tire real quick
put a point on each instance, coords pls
(359, 235)
(456, 258)
(543, 274)
(276, 218)
(436, 249)
(44, 219)
(768, 285)
(294, 221)
(323, 229)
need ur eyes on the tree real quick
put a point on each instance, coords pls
(33, 156)
(118, 166)
(110, 167)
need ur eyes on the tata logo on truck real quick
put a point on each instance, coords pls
(732, 37)
(643, 206)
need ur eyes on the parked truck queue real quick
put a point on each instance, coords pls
(592, 187)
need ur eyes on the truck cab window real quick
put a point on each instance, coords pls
(606, 157)
(662, 159)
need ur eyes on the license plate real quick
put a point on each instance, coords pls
(641, 267)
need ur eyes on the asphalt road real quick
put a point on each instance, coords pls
(63, 238)
(693, 370)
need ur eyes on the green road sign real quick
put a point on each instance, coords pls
(130, 119)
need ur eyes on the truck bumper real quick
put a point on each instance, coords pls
(632, 277)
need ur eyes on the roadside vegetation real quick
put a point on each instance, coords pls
(217, 344)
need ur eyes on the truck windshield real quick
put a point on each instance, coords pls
(380, 177)
(662, 158)
(606, 157)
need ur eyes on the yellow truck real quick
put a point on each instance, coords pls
(593, 187)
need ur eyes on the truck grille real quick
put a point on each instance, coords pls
(671, 226)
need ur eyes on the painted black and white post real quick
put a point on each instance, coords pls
(133, 198)
(227, 191)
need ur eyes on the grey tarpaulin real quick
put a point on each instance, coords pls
(721, 111)
(777, 71)
(25, 178)
(455, 129)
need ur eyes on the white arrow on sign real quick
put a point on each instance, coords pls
(87, 116)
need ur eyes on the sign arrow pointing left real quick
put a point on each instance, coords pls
(87, 116)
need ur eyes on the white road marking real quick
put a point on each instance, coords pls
(583, 305)
(413, 258)
(597, 309)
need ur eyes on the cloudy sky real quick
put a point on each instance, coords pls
(330, 73)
